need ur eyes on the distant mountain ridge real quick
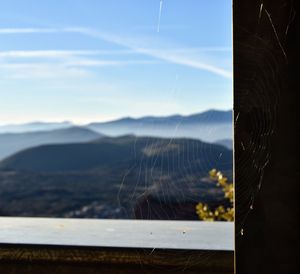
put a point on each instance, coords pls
(208, 126)
(114, 152)
(210, 116)
(34, 126)
(11, 143)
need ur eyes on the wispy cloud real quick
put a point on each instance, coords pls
(202, 49)
(63, 63)
(159, 14)
(186, 61)
(101, 63)
(176, 57)
(42, 53)
(60, 53)
(28, 30)
(72, 58)
(40, 71)
(69, 69)
(166, 54)
(73, 53)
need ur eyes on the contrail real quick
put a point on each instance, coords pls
(132, 46)
(159, 15)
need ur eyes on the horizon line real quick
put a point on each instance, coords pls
(73, 122)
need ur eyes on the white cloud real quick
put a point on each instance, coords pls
(59, 53)
(64, 63)
(42, 53)
(70, 68)
(27, 30)
(166, 54)
(202, 49)
(39, 71)
(103, 63)
(180, 58)
(186, 61)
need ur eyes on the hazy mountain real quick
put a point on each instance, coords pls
(158, 170)
(34, 126)
(225, 142)
(109, 177)
(111, 152)
(208, 126)
(210, 116)
(11, 143)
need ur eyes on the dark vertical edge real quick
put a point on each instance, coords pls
(267, 112)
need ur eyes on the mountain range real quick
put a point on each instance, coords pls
(34, 126)
(206, 117)
(11, 143)
(111, 176)
(149, 168)
(119, 151)
(210, 126)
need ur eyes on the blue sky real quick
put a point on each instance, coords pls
(97, 60)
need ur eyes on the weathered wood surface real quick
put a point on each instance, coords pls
(47, 259)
